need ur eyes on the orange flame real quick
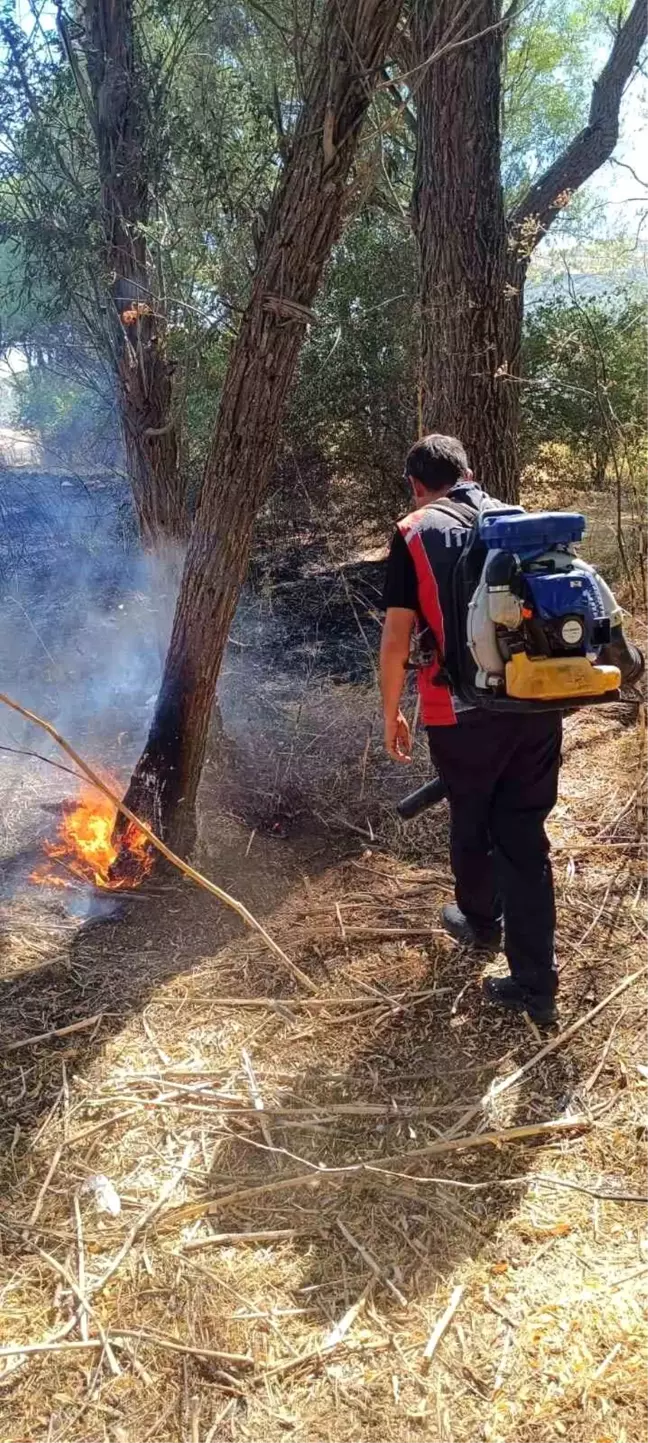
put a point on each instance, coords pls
(84, 848)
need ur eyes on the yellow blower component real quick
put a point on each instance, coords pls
(552, 678)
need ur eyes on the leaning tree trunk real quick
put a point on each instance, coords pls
(129, 160)
(470, 317)
(304, 221)
(473, 259)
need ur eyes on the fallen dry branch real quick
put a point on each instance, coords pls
(333, 1339)
(228, 1240)
(80, 1291)
(161, 846)
(53, 1342)
(187, 1098)
(620, 815)
(142, 1222)
(372, 1264)
(42, 1192)
(176, 1345)
(393, 934)
(81, 1026)
(158, 1340)
(57, 1345)
(441, 1327)
(369, 1169)
(497, 1088)
(379, 999)
(86, 1311)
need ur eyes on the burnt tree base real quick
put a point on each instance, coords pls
(160, 792)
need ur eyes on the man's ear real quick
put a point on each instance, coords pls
(469, 475)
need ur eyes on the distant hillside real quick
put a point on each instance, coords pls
(585, 284)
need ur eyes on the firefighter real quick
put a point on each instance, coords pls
(499, 770)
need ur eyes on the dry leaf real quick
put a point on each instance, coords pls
(558, 1230)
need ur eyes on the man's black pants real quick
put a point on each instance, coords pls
(501, 776)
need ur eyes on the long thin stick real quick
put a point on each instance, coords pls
(377, 999)
(370, 1169)
(36, 1210)
(161, 846)
(54, 1032)
(371, 1262)
(497, 1088)
(221, 1240)
(84, 1328)
(15, 1350)
(86, 1310)
(257, 1099)
(331, 1341)
(440, 1327)
(53, 1341)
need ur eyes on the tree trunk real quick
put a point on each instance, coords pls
(471, 317)
(304, 221)
(473, 261)
(150, 436)
(129, 161)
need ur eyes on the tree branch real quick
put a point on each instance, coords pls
(593, 145)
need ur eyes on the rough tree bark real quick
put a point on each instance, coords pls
(125, 133)
(473, 258)
(304, 221)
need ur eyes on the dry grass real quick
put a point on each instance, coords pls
(225, 1302)
(316, 1325)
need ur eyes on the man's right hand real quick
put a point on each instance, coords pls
(398, 738)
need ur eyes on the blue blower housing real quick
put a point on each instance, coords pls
(528, 534)
(559, 590)
(570, 592)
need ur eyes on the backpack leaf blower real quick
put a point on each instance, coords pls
(535, 624)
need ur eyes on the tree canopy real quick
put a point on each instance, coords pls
(225, 85)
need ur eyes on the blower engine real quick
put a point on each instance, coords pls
(539, 616)
(540, 622)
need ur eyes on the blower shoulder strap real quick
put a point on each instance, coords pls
(458, 510)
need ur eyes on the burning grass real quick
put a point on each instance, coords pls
(84, 849)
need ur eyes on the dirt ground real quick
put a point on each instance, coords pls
(365, 1209)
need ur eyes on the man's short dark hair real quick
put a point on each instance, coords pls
(436, 461)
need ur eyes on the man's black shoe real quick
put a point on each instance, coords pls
(504, 992)
(488, 937)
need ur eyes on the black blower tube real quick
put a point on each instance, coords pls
(427, 796)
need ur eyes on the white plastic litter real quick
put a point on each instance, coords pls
(107, 1199)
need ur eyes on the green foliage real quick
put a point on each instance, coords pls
(356, 397)
(225, 82)
(63, 395)
(553, 52)
(585, 367)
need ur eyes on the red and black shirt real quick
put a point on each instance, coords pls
(419, 576)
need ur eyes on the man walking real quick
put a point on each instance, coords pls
(499, 770)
